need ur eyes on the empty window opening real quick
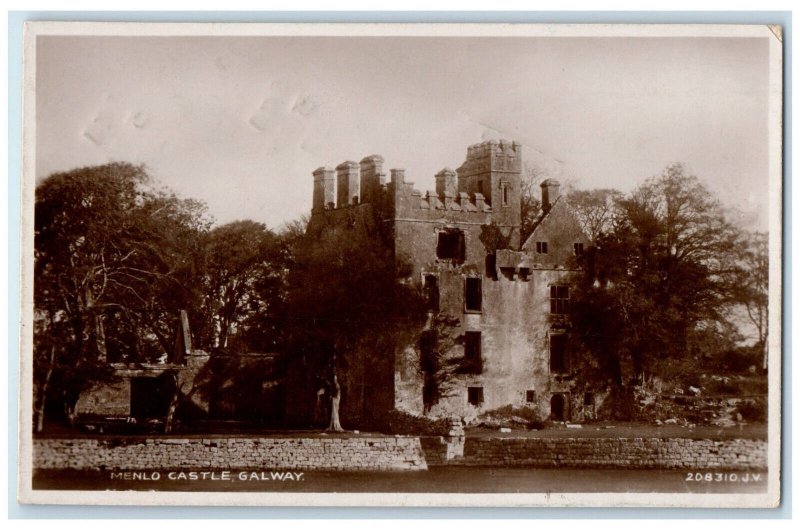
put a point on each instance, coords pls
(480, 187)
(578, 248)
(450, 245)
(491, 266)
(588, 406)
(430, 366)
(473, 298)
(431, 291)
(530, 396)
(558, 407)
(524, 274)
(559, 299)
(558, 353)
(508, 272)
(505, 195)
(475, 395)
(541, 247)
(473, 362)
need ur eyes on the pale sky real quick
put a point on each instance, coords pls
(241, 122)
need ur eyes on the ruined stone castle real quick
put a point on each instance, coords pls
(463, 240)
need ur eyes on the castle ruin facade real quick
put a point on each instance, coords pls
(509, 297)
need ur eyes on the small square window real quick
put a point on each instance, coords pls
(541, 247)
(475, 395)
(578, 248)
(530, 396)
(450, 245)
(524, 274)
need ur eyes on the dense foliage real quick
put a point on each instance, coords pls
(662, 281)
(350, 298)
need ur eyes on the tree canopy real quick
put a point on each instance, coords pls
(112, 265)
(349, 294)
(242, 268)
(663, 271)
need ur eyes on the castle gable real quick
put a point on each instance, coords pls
(557, 239)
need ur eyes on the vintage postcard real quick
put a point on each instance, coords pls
(401, 265)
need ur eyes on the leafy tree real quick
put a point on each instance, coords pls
(112, 262)
(349, 297)
(243, 275)
(438, 361)
(666, 270)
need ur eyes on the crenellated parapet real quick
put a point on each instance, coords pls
(460, 202)
(410, 202)
(487, 183)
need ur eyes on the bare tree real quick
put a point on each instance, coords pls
(596, 211)
(531, 204)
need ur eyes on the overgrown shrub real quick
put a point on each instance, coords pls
(510, 416)
(724, 386)
(753, 410)
(739, 360)
(396, 422)
(620, 405)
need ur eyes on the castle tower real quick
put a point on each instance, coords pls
(494, 169)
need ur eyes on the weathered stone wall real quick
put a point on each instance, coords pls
(396, 453)
(634, 453)
(351, 454)
(482, 200)
(515, 320)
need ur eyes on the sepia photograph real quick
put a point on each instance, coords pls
(401, 265)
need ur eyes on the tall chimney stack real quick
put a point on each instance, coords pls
(398, 176)
(324, 192)
(347, 184)
(550, 191)
(372, 177)
(446, 182)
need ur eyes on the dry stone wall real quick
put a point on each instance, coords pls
(385, 453)
(638, 453)
(352, 454)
